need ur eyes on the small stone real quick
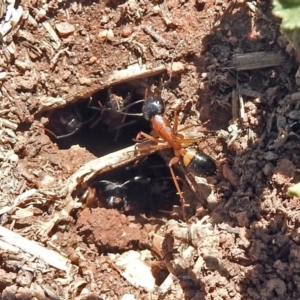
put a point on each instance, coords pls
(177, 68)
(92, 60)
(13, 158)
(127, 31)
(104, 19)
(24, 278)
(85, 81)
(110, 35)
(65, 28)
(42, 13)
(47, 182)
(102, 35)
(268, 169)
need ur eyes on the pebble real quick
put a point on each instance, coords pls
(65, 28)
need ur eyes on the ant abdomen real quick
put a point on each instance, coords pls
(199, 163)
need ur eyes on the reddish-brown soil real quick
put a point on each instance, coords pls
(236, 236)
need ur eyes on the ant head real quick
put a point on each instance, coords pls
(152, 107)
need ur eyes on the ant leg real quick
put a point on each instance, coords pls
(175, 126)
(185, 128)
(97, 117)
(119, 127)
(146, 93)
(147, 148)
(119, 108)
(173, 161)
(147, 136)
(121, 111)
(172, 61)
(124, 125)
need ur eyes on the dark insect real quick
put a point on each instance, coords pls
(196, 161)
(109, 194)
(114, 112)
(105, 193)
(67, 121)
(64, 122)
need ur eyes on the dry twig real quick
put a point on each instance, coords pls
(49, 256)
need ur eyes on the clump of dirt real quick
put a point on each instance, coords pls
(109, 230)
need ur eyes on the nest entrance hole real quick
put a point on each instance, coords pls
(150, 189)
(102, 129)
(97, 123)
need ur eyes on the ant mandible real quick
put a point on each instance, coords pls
(196, 161)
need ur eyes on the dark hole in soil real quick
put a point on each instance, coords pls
(96, 123)
(149, 188)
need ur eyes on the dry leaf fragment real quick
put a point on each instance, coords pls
(134, 269)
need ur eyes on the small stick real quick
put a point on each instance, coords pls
(132, 72)
(156, 36)
(107, 163)
(234, 104)
(8, 124)
(49, 256)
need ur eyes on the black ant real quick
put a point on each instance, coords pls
(111, 194)
(150, 188)
(114, 112)
(67, 121)
(197, 162)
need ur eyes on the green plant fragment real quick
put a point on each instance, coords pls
(289, 11)
(294, 190)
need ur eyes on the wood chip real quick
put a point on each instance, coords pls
(132, 72)
(157, 37)
(16, 16)
(5, 28)
(166, 13)
(53, 35)
(295, 96)
(256, 60)
(8, 124)
(132, 267)
(104, 164)
(47, 102)
(19, 199)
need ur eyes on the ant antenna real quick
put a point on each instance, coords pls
(122, 110)
(140, 179)
(172, 60)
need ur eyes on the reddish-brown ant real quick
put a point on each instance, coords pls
(197, 162)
